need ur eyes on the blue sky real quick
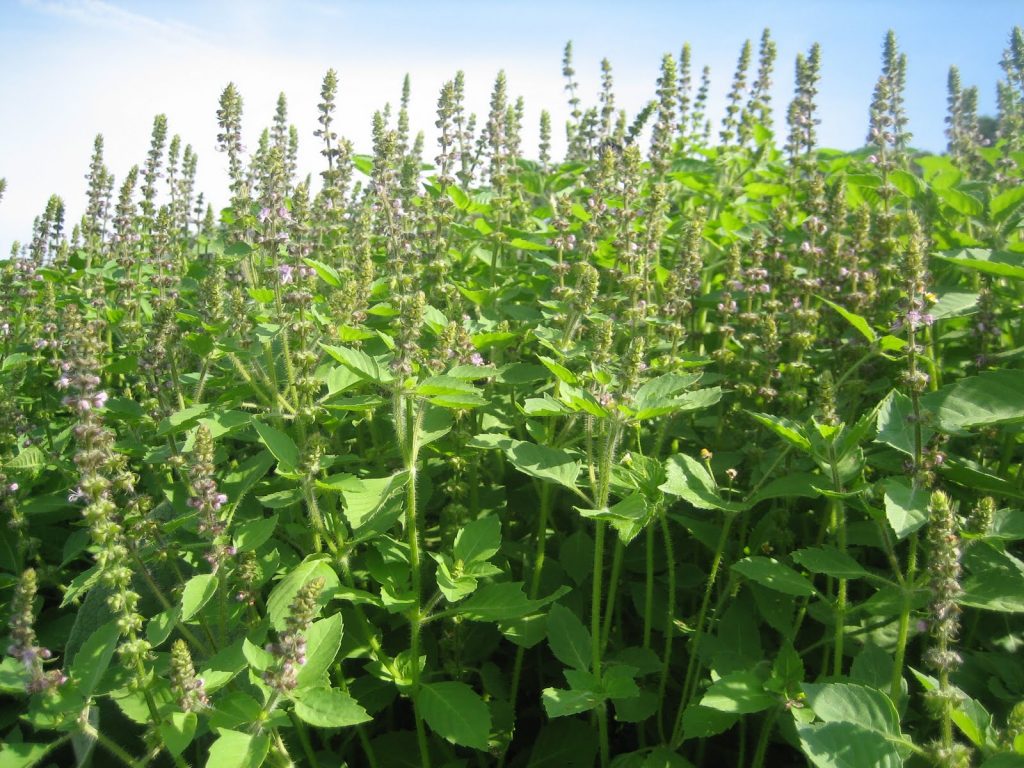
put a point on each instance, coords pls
(75, 68)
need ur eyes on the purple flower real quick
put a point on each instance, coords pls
(264, 215)
(477, 359)
(285, 273)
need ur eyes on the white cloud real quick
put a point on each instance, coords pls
(104, 15)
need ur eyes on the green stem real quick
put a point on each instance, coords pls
(546, 499)
(670, 610)
(648, 586)
(408, 426)
(762, 740)
(613, 591)
(693, 666)
(896, 684)
(307, 745)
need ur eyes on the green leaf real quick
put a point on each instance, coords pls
(29, 459)
(906, 507)
(478, 540)
(619, 682)
(93, 658)
(564, 744)
(858, 322)
(178, 732)
(366, 367)
(830, 561)
(1007, 759)
(788, 430)
(560, 703)
(968, 714)
(560, 371)
(857, 728)
(235, 749)
(628, 517)
(280, 445)
(961, 202)
(739, 692)
(323, 639)
(182, 419)
(326, 272)
(450, 392)
(700, 722)
(894, 426)
(544, 463)
(197, 593)
(771, 573)
(990, 398)
(1005, 201)
(503, 601)
(329, 708)
(280, 600)
(688, 479)
(22, 754)
(999, 263)
(569, 640)
(372, 505)
(455, 712)
(250, 535)
(954, 304)
(995, 579)
(160, 626)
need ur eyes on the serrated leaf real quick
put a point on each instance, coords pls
(178, 732)
(544, 462)
(503, 601)
(251, 534)
(280, 445)
(830, 561)
(560, 371)
(235, 749)
(990, 398)
(857, 728)
(700, 722)
(280, 600)
(999, 263)
(770, 573)
(967, 714)
(366, 367)
(22, 754)
(329, 708)
(372, 504)
(478, 540)
(455, 712)
(93, 658)
(197, 593)
(569, 640)
(906, 506)
(859, 323)
(739, 692)
(785, 428)
(323, 640)
(559, 702)
(688, 479)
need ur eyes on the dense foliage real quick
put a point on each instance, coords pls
(672, 453)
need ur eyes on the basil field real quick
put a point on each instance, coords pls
(697, 446)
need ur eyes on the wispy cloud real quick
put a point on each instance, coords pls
(109, 16)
